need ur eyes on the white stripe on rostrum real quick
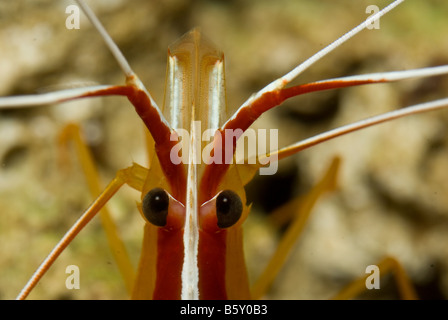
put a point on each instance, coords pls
(190, 271)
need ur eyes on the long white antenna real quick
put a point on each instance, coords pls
(32, 100)
(131, 77)
(317, 56)
(287, 78)
(116, 52)
(369, 122)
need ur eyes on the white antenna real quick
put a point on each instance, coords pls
(287, 78)
(116, 52)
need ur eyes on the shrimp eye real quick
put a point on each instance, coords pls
(155, 206)
(228, 208)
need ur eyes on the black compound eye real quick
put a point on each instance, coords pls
(155, 206)
(228, 208)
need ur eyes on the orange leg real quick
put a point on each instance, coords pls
(133, 176)
(72, 133)
(302, 212)
(387, 265)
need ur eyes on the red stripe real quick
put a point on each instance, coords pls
(170, 257)
(212, 265)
